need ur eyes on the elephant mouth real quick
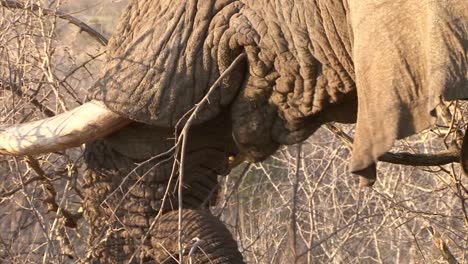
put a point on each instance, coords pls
(81, 125)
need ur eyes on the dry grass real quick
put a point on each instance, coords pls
(300, 206)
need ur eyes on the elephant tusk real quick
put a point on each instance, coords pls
(83, 124)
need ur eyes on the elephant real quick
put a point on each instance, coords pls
(218, 245)
(238, 79)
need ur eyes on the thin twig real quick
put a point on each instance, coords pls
(17, 189)
(440, 244)
(404, 158)
(184, 136)
(73, 20)
(50, 193)
(234, 188)
(14, 88)
(295, 189)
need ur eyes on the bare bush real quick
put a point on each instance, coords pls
(307, 208)
(47, 67)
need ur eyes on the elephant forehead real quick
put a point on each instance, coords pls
(163, 59)
(165, 56)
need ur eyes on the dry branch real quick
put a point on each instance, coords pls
(410, 159)
(51, 194)
(440, 245)
(71, 19)
(404, 158)
(15, 89)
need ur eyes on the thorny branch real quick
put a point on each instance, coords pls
(51, 194)
(44, 109)
(71, 19)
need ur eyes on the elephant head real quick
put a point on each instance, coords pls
(299, 64)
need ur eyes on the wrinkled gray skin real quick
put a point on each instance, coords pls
(216, 247)
(308, 63)
(132, 199)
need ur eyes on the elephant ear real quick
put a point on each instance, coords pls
(408, 55)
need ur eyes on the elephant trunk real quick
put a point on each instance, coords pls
(130, 179)
(205, 239)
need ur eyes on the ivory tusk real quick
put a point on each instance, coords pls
(83, 124)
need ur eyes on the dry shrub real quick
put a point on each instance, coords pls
(47, 66)
(310, 209)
